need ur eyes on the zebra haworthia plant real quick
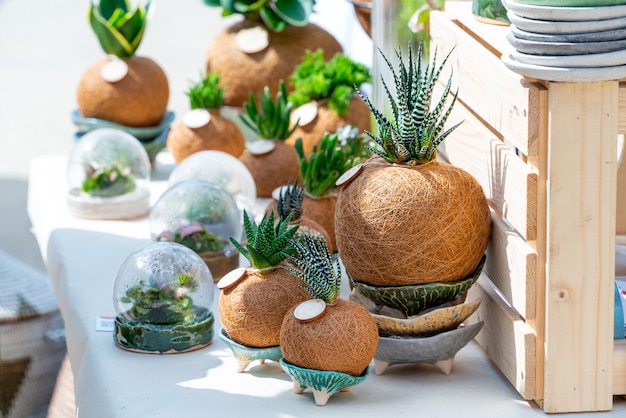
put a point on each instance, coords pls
(119, 28)
(317, 268)
(416, 129)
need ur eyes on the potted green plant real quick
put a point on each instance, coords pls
(265, 46)
(327, 339)
(204, 127)
(109, 181)
(324, 98)
(269, 159)
(320, 172)
(403, 217)
(122, 88)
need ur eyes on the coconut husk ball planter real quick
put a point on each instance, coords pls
(324, 120)
(342, 341)
(402, 225)
(138, 99)
(322, 211)
(245, 72)
(201, 130)
(272, 164)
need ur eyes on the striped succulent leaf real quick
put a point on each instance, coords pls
(318, 269)
(290, 202)
(416, 128)
(269, 243)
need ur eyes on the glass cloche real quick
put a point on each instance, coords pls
(163, 296)
(222, 169)
(108, 171)
(203, 217)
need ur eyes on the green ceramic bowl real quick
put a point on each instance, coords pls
(246, 355)
(413, 299)
(324, 384)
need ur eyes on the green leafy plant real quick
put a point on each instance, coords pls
(270, 119)
(318, 269)
(195, 237)
(276, 15)
(316, 79)
(206, 93)
(109, 181)
(119, 28)
(162, 305)
(354, 142)
(289, 202)
(268, 244)
(325, 164)
(416, 129)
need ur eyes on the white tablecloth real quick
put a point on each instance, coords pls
(82, 258)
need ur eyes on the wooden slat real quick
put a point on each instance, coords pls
(506, 339)
(503, 99)
(509, 183)
(622, 109)
(512, 265)
(581, 190)
(619, 367)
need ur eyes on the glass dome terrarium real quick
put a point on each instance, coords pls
(222, 169)
(163, 294)
(203, 217)
(108, 171)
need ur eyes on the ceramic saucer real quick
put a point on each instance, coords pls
(608, 59)
(567, 74)
(602, 36)
(551, 27)
(565, 14)
(573, 3)
(564, 48)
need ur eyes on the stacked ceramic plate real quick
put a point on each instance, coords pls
(567, 40)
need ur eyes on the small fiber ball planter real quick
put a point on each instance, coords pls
(401, 225)
(272, 169)
(252, 310)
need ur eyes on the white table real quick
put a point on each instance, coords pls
(82, 258)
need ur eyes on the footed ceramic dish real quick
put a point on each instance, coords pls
(412, 300)
(439, 349)
(246, 355)
(324, 384)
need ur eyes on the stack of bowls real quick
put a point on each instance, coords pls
(567, 40)
(420, 323)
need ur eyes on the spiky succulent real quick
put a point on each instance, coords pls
(276, 15)
(206, 93)
(416, 128)
(118, 27)
(268, 244)
(289, 202)
(325, 164)
(270, 119)
(318, 269)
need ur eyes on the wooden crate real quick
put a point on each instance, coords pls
(545, 154)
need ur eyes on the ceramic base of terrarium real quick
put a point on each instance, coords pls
(127, 206)
(246, 355)
(439, 349)
(164, 339)
(413, 299)
(323, 384)
(220, 263)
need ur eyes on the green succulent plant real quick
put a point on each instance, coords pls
(270, 119)
(276, 15)
(316, 79)
(108, 181)
(416, 129)
(289, 202)
(268, 244)
(318, 269)
(325, 164)
(119, 28)
(206, 93)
